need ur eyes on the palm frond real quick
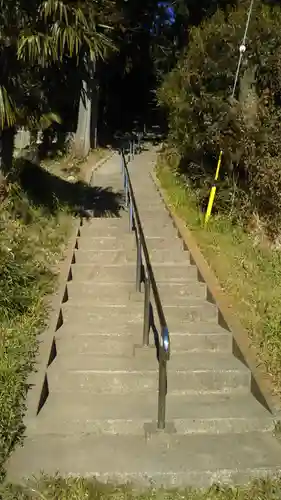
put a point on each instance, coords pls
(8, 112)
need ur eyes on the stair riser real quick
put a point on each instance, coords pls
(158, 243)
(96, 345)
(186, 479)
(101, 327)
(104, 383)
(127, 243)
(111, 243)
(134, 426)
(200, 343)
(176, 318)
(93, 231)
(107, 294)
(155, 214)
(103, 222)
(121, 257)
(223, 426)
(197, 343)
(127, 274)
(100, 294)
(118, 345)
(97, 274)
(123, 383)
(104, 314)
(149, 230)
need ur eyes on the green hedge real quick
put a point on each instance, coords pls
(204, 119)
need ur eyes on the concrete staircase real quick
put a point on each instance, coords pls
(99, 418)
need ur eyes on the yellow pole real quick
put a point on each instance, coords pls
(218, 166)
(213, 192)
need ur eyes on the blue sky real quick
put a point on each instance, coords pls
(169, 10)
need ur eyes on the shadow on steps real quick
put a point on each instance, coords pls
(48, 190)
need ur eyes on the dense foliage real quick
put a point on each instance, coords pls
(204, 119)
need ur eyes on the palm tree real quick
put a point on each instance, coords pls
(34, 36)
(64, 29)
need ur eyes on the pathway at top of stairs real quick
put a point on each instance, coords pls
(102, 406)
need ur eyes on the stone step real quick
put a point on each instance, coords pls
(195, 342)
(84, 313)
(155, 217)
(105, 257)
(165, 257)
(99, 345)
(150, 204)
(198, 342)
(127, 273)
(121, 222)
(69, 413)
(192, 374)
(175, 294)
(146, 360)
(154, 213)
(127, 242)
(101, 326)
(122, 243)
(160, 243)
(107, 220)
(97, 231)
(102, 292)
(100, 381)
(109, 183)
(149, 230)
(119, 344)
(105, 326)
(100, 179)
(163, 460)
(111, 315)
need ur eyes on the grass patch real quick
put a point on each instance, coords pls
(34, 232)
(82, 489)
(29, 258)
(250, 273)
(32, 242)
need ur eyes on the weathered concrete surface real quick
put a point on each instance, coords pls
(101, 389)
(175, 460)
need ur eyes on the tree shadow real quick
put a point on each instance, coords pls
(46, 189)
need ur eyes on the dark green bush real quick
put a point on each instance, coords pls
(203, 118)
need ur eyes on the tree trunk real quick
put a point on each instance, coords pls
(81, 147)
(94, 116)
(7, 150)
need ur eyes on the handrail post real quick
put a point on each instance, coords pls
(146, 321)
(131, 223)
(122, 164)
(126, 190)
(162, 389)
(139, 265)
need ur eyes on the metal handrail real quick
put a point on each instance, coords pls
(150, 284)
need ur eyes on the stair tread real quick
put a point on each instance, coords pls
(109, 327)
(133, 312)
(139, 406)
(162, 458)
(178, 272)
(126, 344)
(180, 362)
